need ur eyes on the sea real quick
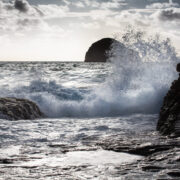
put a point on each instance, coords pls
(84, 103)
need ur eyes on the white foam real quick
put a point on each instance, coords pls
(137, 85)
(80, 158)
(9, 151)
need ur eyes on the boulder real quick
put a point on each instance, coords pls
(106, 48)
(17, 109)
(169, 119)
(99, 51)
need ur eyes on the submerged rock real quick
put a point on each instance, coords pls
(99, 51)
(16, 109)
(169, 119)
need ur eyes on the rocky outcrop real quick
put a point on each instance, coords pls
(160, 155)
(99, 51)
(16, 109)
(104, 49)
(169, 119)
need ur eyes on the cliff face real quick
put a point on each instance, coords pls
(169, 119)
(98, 52)
(16, 109)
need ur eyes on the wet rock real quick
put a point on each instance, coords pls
(178, 67)
(169, 119)
(17, 109)
(174, 173)
(6, 161)
(152, 168)
(139, 144)
(160, 155)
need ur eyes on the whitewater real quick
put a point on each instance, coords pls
(83, 103)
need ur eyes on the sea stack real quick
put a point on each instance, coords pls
(99, 51)
(169, 119)
(19, 109)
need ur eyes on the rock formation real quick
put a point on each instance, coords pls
(16, 109)
(169, 120)
(99, 51)
(160, 155)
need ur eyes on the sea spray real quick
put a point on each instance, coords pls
(139, 78)
(137, 84)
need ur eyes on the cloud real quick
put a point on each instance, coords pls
(110, 5)
(162, 5)
(19, 17)
(79, 4)
(91, 25)
(21, 5)
(57, 20)
(170, 14)
(53, 11)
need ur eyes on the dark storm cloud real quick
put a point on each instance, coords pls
(21, 5)
(18, 16)
(170, 15)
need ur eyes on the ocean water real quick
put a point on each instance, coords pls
(84, 103)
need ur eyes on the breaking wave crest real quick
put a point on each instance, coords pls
(138, 82)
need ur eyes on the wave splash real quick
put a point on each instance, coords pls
(139, 80)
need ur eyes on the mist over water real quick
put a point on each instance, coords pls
(133, 81)
(138, 81)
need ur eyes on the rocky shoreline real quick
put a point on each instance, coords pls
(161, 155)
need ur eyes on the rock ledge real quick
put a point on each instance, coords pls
(18, 109)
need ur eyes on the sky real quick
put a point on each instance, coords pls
(63, 30)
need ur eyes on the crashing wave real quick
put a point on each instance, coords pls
(137, 83)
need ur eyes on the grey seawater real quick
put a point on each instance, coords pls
(65, 148)
(63, 145)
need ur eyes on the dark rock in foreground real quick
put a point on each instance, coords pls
(143, 144)
(169, 120)
(17, 109)
(160, 155)
(99, 51)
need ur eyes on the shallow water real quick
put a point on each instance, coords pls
(65, 148)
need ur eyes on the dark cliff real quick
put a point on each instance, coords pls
(169, 119)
